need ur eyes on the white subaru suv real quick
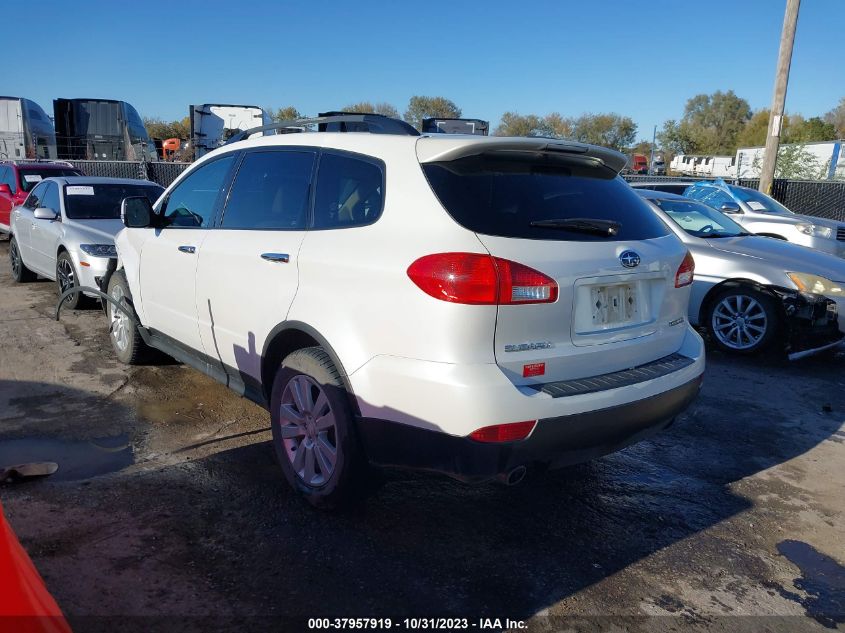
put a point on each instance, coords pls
(476, 306)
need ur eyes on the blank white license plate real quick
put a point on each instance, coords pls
(616, 304)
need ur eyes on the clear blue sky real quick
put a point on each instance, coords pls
(641, 59)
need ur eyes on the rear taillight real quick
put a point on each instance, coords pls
(476, 279)
(685, 271)
(504, 432)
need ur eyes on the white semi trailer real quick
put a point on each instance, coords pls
(212, 124)
(824, 161)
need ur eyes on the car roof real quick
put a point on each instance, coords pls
(38, 165)
(428, 147)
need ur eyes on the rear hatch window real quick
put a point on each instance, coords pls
(545, 198)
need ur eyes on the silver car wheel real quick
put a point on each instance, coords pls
(308, 430)
(119, 323)
(64, 271)
(739, 322)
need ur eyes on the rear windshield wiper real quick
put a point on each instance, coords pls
(595, 226)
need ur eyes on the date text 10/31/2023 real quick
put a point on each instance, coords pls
(412, 624)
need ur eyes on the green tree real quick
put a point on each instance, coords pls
(607, 130)
(814, 129)
(157, 128)
(711, 124)
(288, 113)
(368, 107)
(836, 118)
(420, 108)
(754, 132)
(552, 125)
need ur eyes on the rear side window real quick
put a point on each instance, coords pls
(500, 195)
(191, 203)
(350, 192)
(271, 191)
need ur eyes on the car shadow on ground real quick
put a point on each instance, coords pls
(423, 545)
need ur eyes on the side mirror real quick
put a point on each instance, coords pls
(136, 212)
(4, 188)
(45, 213)
(730, 207)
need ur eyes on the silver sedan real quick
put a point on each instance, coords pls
(65, 230)
(752, 292)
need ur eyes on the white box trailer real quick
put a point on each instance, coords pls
(826, 158)
(26, 131)
(212, 124)
(703, 166)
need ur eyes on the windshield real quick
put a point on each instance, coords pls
(32, 176)
(698, 219)
(758, 201)
(102, 201)
(547, 198)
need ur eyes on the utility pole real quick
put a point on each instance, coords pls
(651, 160)
(787, 39)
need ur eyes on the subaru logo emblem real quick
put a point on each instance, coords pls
(629, 259)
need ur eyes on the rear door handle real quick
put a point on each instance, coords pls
(279, 258)
(188, 249)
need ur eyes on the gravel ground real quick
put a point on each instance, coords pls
(169, 512)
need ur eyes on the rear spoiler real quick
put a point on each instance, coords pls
(435, 150)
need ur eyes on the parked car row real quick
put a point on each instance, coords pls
(476, 306)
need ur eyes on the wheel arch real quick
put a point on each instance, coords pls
(288, 337)
(739, 282)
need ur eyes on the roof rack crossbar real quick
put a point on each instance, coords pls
(376, 124)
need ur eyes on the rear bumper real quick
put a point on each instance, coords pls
(555, 442)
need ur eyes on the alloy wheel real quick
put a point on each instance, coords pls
(64, 271)
(309, 430)
(119, 323)
(739, 322)
(15, 259)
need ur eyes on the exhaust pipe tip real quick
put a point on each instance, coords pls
(513, 477)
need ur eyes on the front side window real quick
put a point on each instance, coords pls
(350, 192)
(102, 201)
(6, 179)
(33, 200)
(50, 198)
(271, 191)
(191, 203)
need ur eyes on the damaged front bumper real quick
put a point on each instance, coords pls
(811, 322)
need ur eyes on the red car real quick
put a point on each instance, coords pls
(18, 177)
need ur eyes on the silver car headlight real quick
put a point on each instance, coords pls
(817, 285)
(815, 230)
(99, 250)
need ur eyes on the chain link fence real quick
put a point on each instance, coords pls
(819, 198)
(163, 173)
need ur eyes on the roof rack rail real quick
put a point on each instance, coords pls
(337, 122)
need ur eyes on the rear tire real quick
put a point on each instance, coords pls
(743, 320)
(314, 431)
(66, 278)
(20, 273)
(126, 341)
